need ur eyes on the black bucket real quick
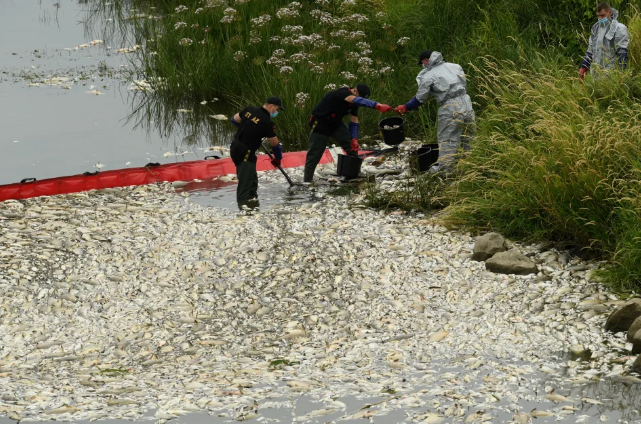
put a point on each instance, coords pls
(426, 156)
(393, 136)
(348, 166)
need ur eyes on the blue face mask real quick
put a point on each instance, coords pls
(424, 66)
(274, 114)
(604, 21)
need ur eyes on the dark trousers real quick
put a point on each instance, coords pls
(317, 144)
(245, 161)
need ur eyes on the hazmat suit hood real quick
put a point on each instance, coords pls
(615, 14)
(435, 59)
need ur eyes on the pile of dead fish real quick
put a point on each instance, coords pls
(126, 302)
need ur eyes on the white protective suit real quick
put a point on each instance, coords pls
(456, 119)
(608, 43)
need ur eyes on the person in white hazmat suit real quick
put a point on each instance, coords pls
(456, 119)
(608, 44)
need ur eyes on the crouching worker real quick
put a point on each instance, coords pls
(327, 121)
(254, 124)
(456, 120)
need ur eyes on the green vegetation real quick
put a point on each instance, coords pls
(555, 159)
(245, 51)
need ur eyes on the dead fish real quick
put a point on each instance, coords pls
(626, 379)
(219, 117)
(94, 92)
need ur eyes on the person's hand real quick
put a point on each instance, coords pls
(383, 108)
(276, 162)
(355, 147)
(582, 73)
(401, 109)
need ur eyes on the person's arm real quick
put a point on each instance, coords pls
(277, 149)
(622, 43)
(424, 90)
(354, 127)
(587, 59)
(361, 101)
(235, 120)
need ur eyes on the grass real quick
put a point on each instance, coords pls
(225, 49)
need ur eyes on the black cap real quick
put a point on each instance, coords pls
(425, 54)
(363, 90)
(276, 101)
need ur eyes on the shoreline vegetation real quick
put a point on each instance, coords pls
(554, 159)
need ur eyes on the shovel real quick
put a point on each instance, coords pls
(289, 180)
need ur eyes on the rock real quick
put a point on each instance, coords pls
(636, 326)
(511, 262)
(636, 342)
(488, 245)
(623, 317)
(636, 366)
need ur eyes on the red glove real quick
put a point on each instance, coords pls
(355, 146)
(383, 108)
(276, 162)
(401, 109)
(582, 73)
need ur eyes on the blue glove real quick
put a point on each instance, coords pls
(623, 61)
(413, 104)
(353, 129)
(361, 101)
(233, 121)
(278, 151)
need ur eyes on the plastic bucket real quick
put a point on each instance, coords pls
(426, 156)
(348, 166)
(394, 135)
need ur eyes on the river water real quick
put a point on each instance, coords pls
(58, 127)
(52, 128)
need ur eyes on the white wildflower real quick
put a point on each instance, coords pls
(333, 47)
(366, 61)
(356, 35)
(347, 75)
(255, 40)
(286, 70)
(227, 19)
(275, 39)
(181, 8)
(261, 20)
(229, 11)
(403, 41)
(380, 15)
(186, 42)
(239, 55)
(278, 53)
(357, 17)
(241, 1)
(386, 70)
(301, 100)
(352, 56)
(296, 29)
(199, 10)
(330, 86)
(179, 25)
(317, 69)
(286, 13)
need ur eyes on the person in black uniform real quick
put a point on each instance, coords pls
(254, 124)
(327, 121)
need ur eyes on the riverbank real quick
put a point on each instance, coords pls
(128, 301)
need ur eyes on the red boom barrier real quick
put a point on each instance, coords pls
(185, 171)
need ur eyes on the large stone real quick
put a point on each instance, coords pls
(636, 326)
(636, 365)
(511, 262)
(623, 317)
(488, 245)
(636, 342)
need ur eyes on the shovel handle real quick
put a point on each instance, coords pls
(289, 180)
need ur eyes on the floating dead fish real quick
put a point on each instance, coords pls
(219, 117)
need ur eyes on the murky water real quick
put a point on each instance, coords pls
(53, 128)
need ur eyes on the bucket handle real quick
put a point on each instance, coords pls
(428, 152)
(27, 180)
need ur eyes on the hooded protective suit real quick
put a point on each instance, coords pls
(456, 119)
(608, 45)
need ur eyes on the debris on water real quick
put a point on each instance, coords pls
(184, 111)
(94, 92)
(391, 127)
